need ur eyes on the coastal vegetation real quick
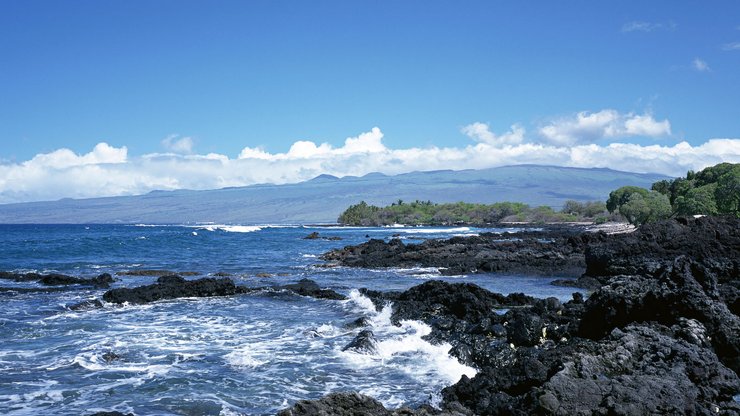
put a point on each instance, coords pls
(428, 213)
(712, 191)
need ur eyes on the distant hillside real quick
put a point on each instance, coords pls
(323, 198)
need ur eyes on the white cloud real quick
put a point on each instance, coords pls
(481, 132)
(107, 171)
(588, 127)
(642, 26)
(370, 142)
(64, 158)
(732, 46)
(174, 143)
(700, 65)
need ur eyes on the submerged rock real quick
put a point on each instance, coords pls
(86, 305)
(57, 279)
(364, 343)
(315, 236)
(307, 287)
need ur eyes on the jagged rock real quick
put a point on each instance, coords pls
(364, 343)
(685, 289)
(660, 334)
(643, 369)
(713, 242)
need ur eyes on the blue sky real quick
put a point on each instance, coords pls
(192, 78)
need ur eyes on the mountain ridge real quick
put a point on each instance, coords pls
(323, 198)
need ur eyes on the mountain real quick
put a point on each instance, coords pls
(322, 199)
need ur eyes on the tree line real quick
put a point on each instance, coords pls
(712, 191)
(428, 213)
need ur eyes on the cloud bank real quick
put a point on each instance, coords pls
(586, 139)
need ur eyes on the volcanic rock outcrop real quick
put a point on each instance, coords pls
(660, 336)
(526, 253)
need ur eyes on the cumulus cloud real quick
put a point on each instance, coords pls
(700, 65)
(481, 132)
(732, 46)
(108, 170)
(588, 127)
(642, 26)
(176, 144)
(370, 142)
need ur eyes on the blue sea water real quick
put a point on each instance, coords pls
(250, 354)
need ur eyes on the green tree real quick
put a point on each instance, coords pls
(699, 200)
(640, 208)
(621, 196)
(663, 186)
(727, 193)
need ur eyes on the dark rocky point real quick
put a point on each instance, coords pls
(171, 288)
(526, 253)
(660, 334)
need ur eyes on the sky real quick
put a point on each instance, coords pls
(103, 98)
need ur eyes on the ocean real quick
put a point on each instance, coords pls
(250, 354)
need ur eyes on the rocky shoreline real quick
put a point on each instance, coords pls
(661, 335)
(556, 251)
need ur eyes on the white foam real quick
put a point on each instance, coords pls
(309, 256)
(362, 302)
(244, 356)
(434, 230)
(231, 228)
(404, 347)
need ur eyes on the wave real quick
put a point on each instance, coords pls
(403, 347)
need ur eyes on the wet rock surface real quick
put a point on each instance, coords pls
(659, 335)
(175, 286)
(56, 279)
(364, 343)
(172, 287)
(553, 253)
(354, 404)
